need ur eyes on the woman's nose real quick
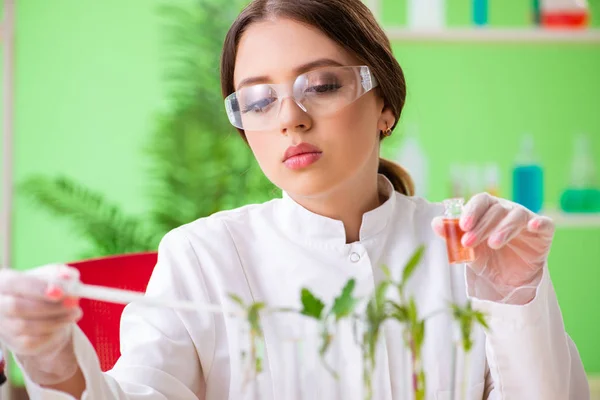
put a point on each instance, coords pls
(293, 116)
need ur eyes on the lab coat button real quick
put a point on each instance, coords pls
(355, 257)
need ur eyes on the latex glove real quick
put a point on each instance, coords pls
(36, 321)
(511, 247)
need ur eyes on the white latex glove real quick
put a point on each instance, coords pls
(511, 247)
(36, 321)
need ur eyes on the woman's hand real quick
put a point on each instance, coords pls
(36, 320)
(511, 247)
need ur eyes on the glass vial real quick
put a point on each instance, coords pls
(457, 253)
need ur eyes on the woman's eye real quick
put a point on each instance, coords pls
(259, 106)
(325, 88)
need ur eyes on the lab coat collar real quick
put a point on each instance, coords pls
(313, 229)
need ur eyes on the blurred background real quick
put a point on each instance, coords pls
(114, 129)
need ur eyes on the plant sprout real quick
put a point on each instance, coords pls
(376, 314)
(405, 312)
(343, 307)
(466, 317)
(379, 308)
(254, 365)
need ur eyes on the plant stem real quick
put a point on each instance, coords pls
(453, 373)
(418, 377)
(466, 365)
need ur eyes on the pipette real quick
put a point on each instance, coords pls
(63, 277)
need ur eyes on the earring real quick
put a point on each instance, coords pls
(388, 132)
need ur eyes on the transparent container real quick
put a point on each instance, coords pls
(292, 366)
(457, 253)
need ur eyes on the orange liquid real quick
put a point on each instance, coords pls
(457, 253)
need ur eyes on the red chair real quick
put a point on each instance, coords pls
(101, 320)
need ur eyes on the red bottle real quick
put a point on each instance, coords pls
(564, 14)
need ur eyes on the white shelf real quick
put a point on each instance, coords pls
(574, 220)
(500, 35)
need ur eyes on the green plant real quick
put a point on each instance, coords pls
(405, 312)
(197, 163)
(376, 314)
(465, 318)
(379, 308)
(252, 361)
(343, 307)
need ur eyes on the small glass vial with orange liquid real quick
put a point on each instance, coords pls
(457, 253)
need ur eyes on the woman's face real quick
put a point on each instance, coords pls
(345, 145)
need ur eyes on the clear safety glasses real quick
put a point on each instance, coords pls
(320, 92)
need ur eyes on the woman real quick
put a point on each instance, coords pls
(313, 87)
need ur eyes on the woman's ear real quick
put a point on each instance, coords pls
(386, 120)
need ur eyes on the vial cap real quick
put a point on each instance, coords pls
(453, 207)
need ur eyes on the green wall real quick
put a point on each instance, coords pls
(89, 79)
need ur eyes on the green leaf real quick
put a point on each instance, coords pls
(371, 312)
(102, 223)
(412, 264)
(380, 294)
(311, 305)
(237, 299)
(399, 313)
(480, 317)
(386, 272)
(419, 334)
(254, 317)
(345, 303)
(412, 313)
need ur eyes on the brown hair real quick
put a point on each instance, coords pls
(350, 24)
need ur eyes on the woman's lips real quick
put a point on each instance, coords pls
(301, 156)
(302, 160)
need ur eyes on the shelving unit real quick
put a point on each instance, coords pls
(574, 220)
(497, 35)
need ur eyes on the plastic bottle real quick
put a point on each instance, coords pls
(583, 191)
(412, 157)
(536, 12)
(564, 13)
(492, 179)
(426, 14)
(528, 178)
(480, 12)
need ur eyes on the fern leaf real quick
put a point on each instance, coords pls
(107, 227)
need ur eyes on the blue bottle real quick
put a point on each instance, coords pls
(528, 178)
(480, 12)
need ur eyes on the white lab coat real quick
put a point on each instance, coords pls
(267, 253)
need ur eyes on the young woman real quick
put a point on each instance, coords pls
(313, 87)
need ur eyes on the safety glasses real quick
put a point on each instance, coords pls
(321, 92)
